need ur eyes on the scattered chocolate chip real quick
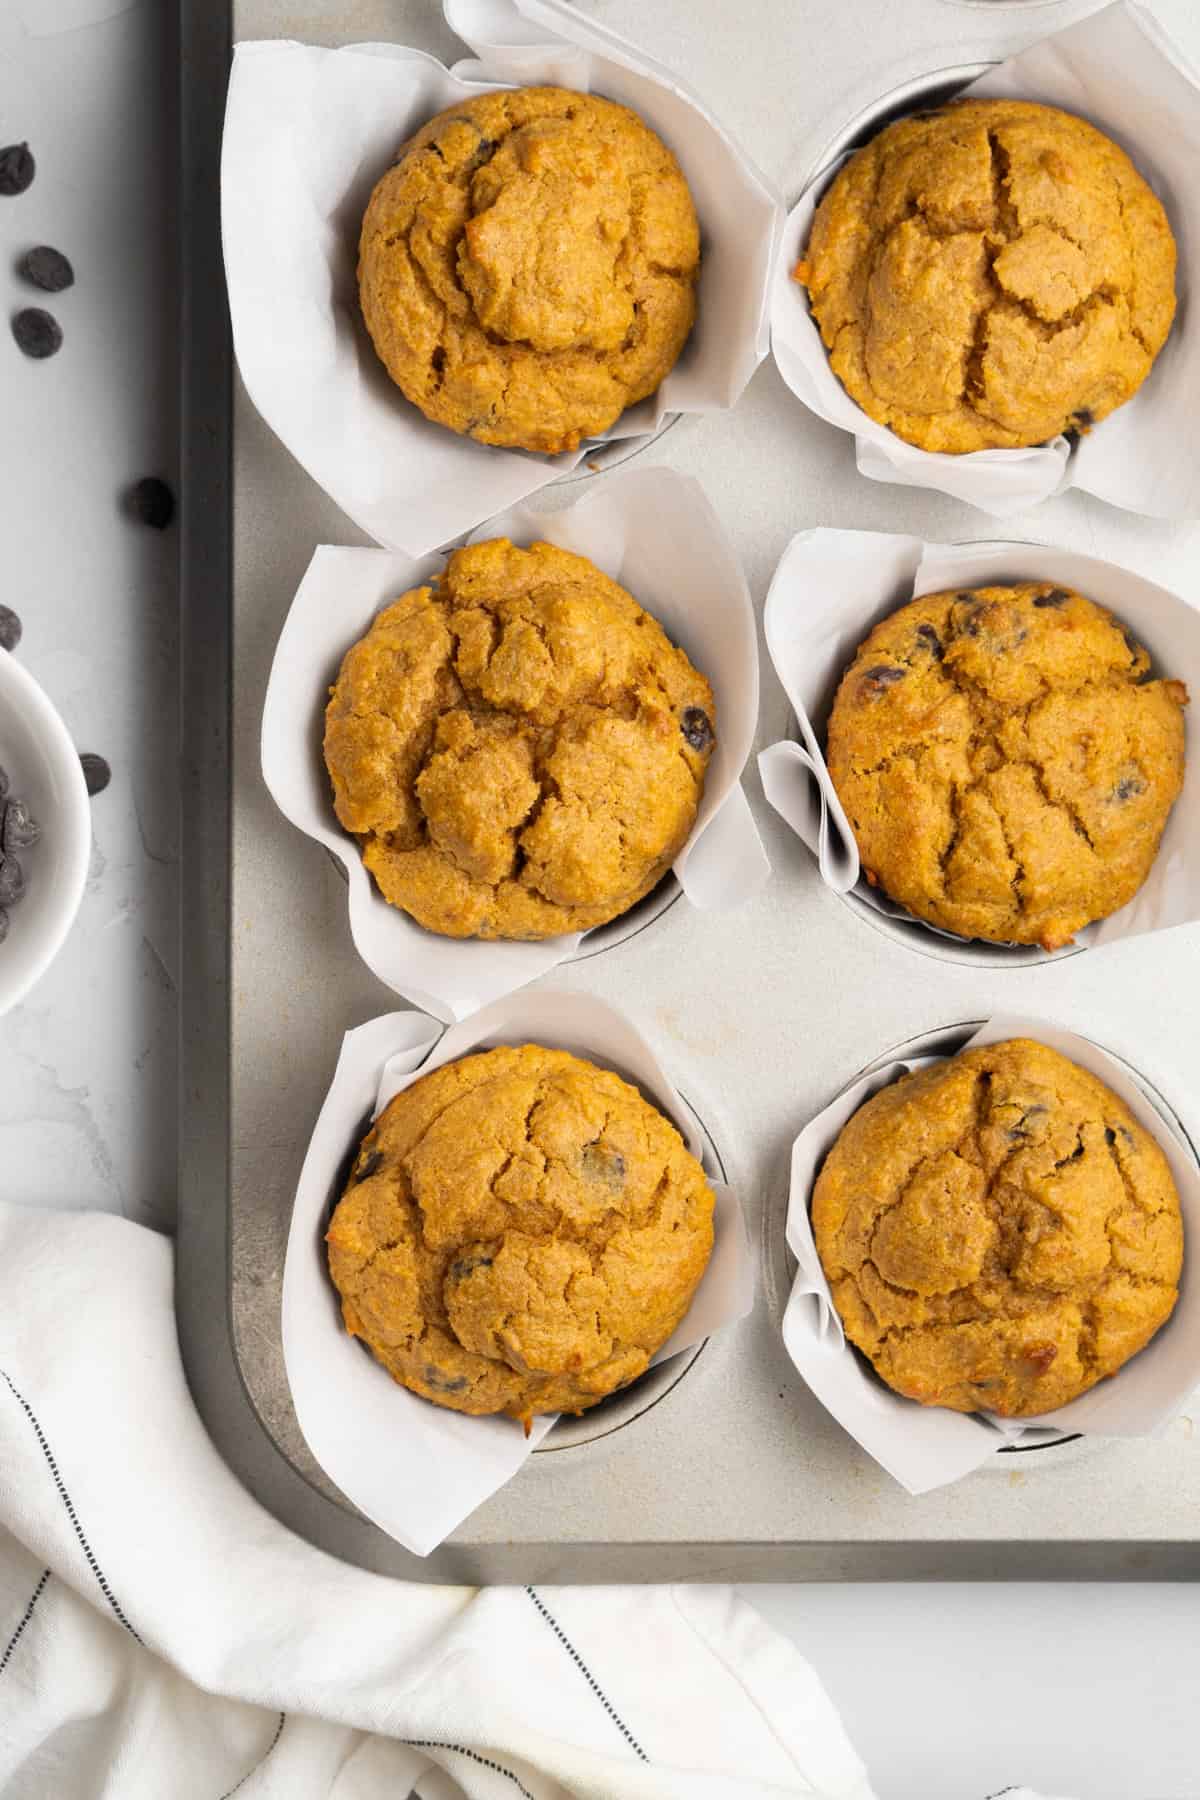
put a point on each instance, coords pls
(151, 502)
(48, 269)
(1127, 787)
(876, 680)
(21, 829)
(931, 640)
(10, 628)
(437, 361)
(37, 332)
(1056, 597)
(368, 1166)
(12, 881)
(96, 772)
(696, 727)
(1110, 1136)
(17, 169)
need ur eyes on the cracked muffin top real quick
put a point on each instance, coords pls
(520, 1234)
(998, 1231)
(1005, 762)
(520, 749)
(990, 274)
(527, 268)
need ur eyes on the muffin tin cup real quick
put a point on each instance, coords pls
(832, 588)
(1143, 457)
(309, 131)
(416, 1469)
(652, 530)
(926, 1447)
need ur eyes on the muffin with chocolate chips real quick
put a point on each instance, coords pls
(998, 1231)
(527, 268)
(989, 274)
(521, 1233)
(1006, 762)
(519, 748)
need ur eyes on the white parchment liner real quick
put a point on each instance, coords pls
(1119, 69)
(308, 133)
(413, 1468)
(654, 532)
(832, 587)
(925, 1447)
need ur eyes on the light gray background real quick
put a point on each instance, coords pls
(948, 1692)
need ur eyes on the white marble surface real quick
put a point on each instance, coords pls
(87, 1065)
(950, 1692)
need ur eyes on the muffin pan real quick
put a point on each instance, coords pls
(729, 1468)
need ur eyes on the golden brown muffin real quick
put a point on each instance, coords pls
(520, 748)
(527, 268)
(521, 1232)
(989, 274)
(998, 1231)
(1005, 763)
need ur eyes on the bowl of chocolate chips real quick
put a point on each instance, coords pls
(45, 829)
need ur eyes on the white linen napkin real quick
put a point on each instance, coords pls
(161, 1634)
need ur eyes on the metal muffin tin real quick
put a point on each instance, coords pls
(734, 1471)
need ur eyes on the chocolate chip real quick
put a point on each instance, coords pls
(368, 1166)
(1127, 787)
(696, 727)
(12, 881)
(10, 628)
(37, 332)
(437, 361)
(876, 680)
(1056, 597)
(1021, 1128)
(96, 772)
(1110, 1136)
(483, 153)
(930, 640)
(442, 1384)
(600, 1163)
(21, 829)
(17, 169)
(151, 502)
(466, 1265)
(48, 269)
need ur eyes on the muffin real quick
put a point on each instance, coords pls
(998, 1231)
(1005, 762)
(521, 1232)
(989, 274)
(519, 748)
(527, 267)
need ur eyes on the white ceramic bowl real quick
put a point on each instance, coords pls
(44, 771)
